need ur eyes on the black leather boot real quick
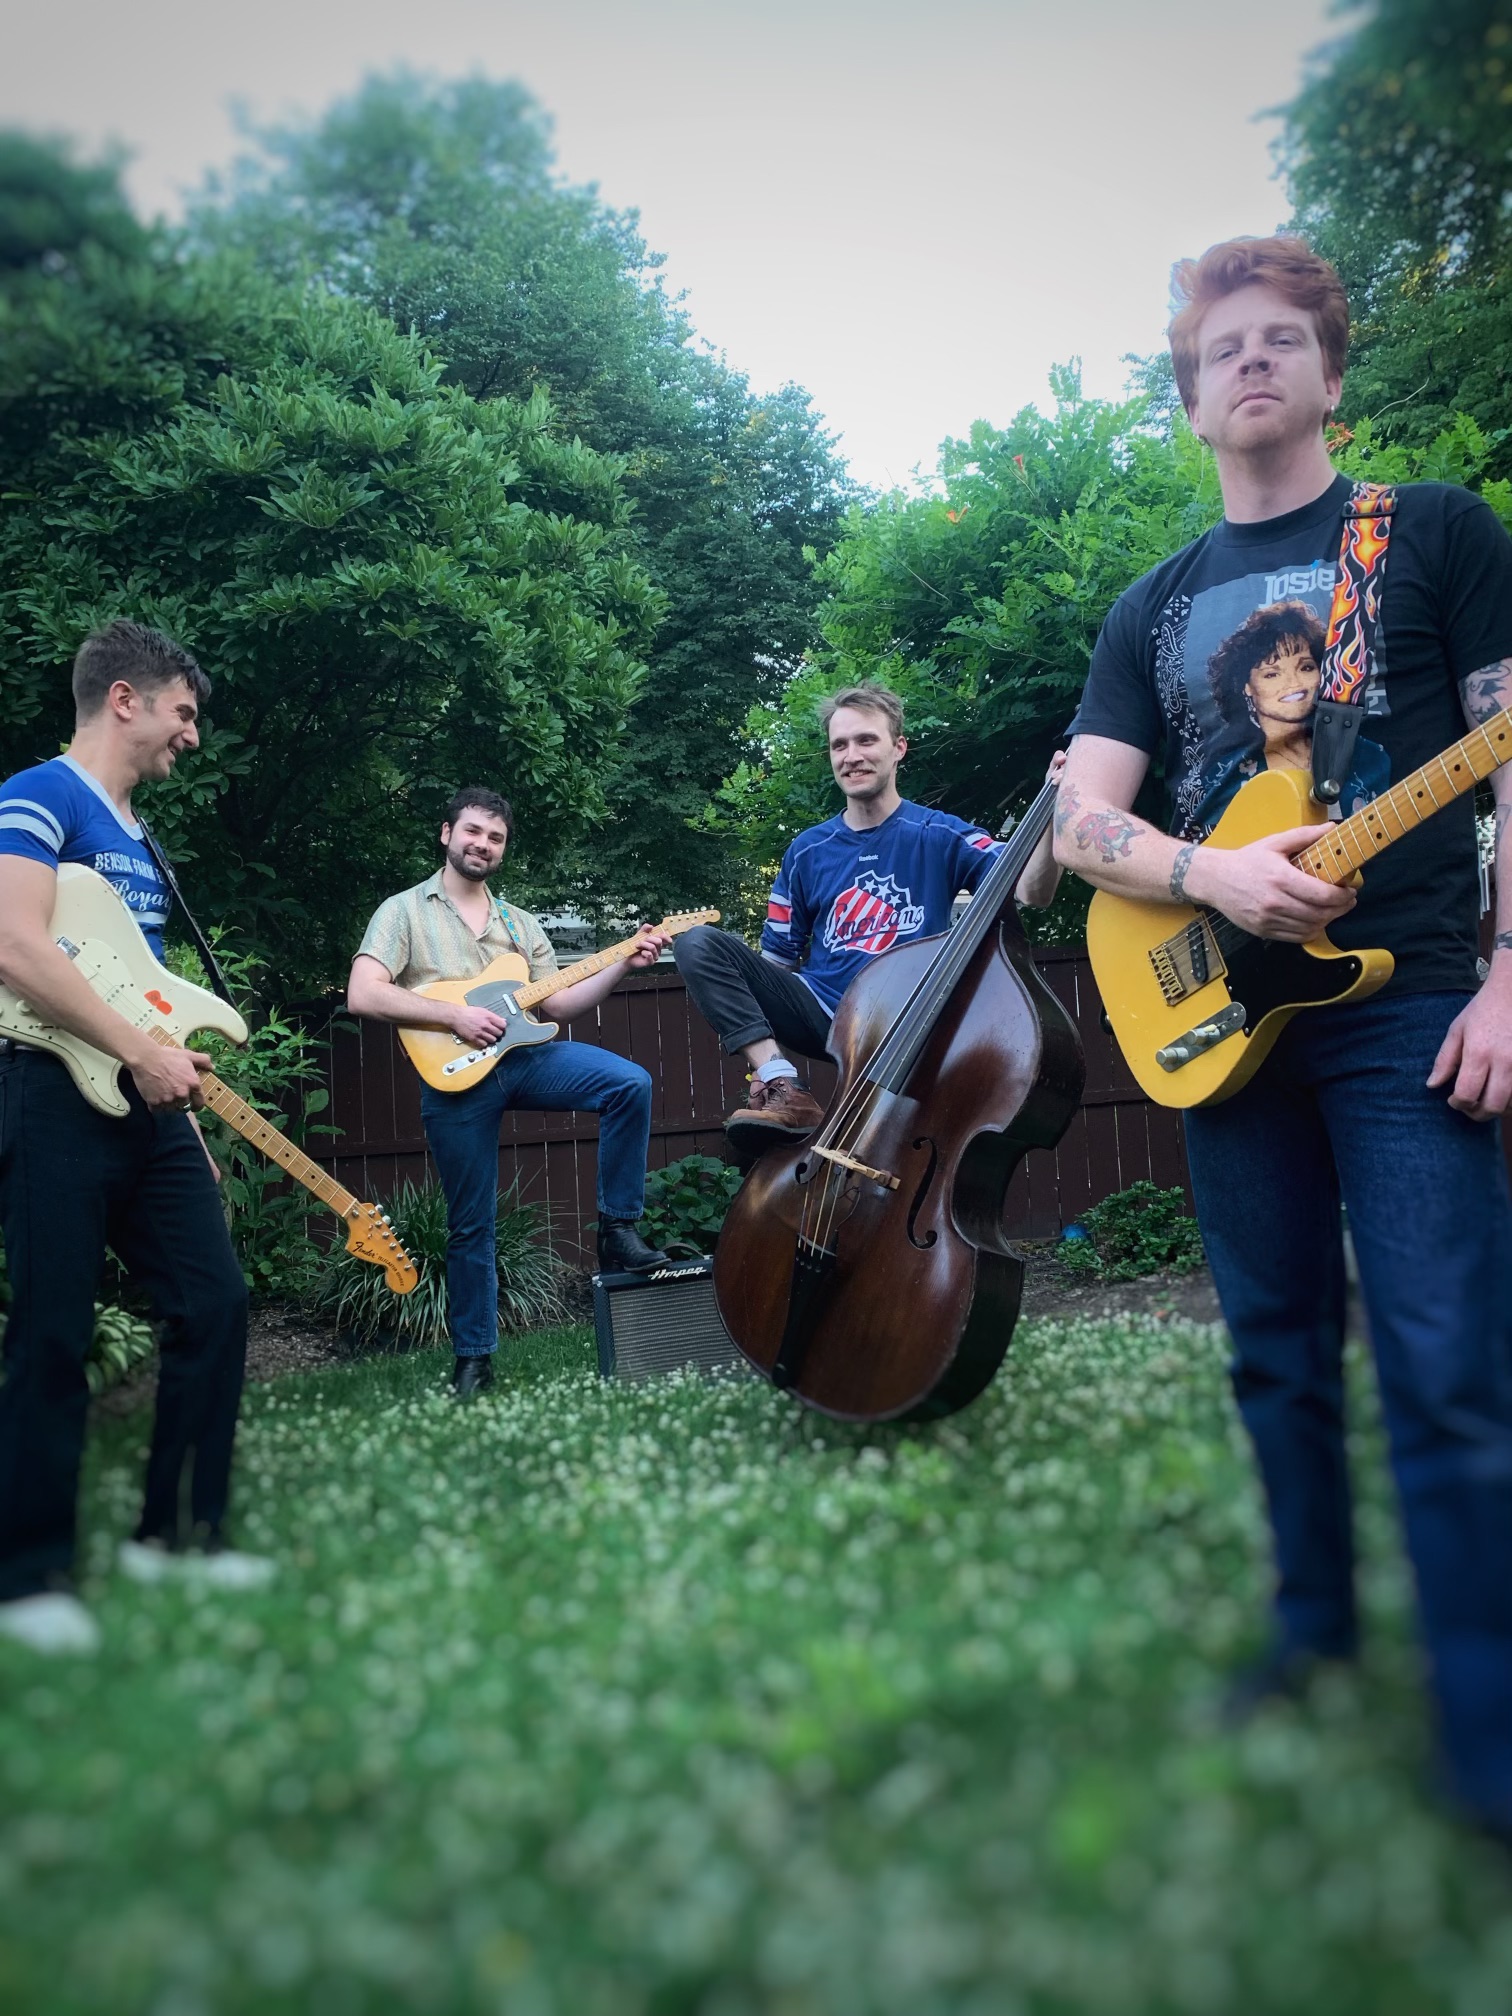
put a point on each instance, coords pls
(621, 1249)
(471, 1376)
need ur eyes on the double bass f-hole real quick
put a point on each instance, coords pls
(925, 1183)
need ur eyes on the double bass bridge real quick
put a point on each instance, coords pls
(844, 1161)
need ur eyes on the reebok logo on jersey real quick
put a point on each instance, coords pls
(871, 915)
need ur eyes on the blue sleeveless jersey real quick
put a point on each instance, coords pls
(843, 898)
(59, 812)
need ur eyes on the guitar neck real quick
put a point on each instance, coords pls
(264, 1136)
(539, 990)
(1362, 836)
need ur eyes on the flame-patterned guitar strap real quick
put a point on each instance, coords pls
(1349, 648)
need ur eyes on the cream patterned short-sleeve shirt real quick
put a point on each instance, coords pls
(419, 936)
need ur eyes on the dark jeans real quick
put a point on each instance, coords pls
(463, 1131)
(73, 1181)
(744, 997)
(1342, 1107)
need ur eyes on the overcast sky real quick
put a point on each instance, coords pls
(911, 209)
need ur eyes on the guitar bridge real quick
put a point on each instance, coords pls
(1187, 962)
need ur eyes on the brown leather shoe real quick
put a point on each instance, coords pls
(779, 1111)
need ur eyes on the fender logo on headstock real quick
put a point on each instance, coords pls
(163, 1007)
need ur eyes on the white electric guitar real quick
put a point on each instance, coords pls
(91, 923)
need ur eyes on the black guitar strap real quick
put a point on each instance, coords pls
(197, 937)
(1349, 649)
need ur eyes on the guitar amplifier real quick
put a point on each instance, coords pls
(658, 1322)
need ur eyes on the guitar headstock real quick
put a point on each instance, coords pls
(371, 1237)
(685, 920)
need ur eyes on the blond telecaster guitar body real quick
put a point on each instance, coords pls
(505, 988)
(1197, 1003)
(92, 924)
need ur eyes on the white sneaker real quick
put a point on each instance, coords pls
(50, 1623)
(142, 1561)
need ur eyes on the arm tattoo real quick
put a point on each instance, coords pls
(1486, 692)
(1066, 802)
(1179, 869)
(1111, 833)
(1502, 942)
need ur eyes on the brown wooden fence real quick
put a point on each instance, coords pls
(1117, 1138)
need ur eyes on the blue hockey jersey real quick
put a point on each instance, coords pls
(842, 897)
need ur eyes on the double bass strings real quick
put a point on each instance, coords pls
(898, 1050)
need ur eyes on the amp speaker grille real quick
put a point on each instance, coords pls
(651, 1324)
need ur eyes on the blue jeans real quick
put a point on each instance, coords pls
(1342, 1108)
(463, 1131)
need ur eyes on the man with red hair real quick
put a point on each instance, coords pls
(1391, 1103)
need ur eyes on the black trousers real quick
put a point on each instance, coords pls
(744, 997)
(72, 1182)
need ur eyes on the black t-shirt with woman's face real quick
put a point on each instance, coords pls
(1213, 659)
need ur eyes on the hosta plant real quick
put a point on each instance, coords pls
(686, 1203)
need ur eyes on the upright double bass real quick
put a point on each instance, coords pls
(867, 1272)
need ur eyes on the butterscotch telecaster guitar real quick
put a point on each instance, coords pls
(1195, 1002)
(505, 988)
(92, 924)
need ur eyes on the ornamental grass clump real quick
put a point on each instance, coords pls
(353, 1294)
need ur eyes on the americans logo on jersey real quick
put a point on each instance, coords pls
(870, 916)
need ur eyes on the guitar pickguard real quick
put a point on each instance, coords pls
(1269, 973)
(522, 1031)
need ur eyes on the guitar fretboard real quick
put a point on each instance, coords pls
(539, 990)
(1356, 840)
(248, 1122)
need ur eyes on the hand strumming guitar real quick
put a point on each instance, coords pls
(477, 1027)
(1258, 887)
(169, 1078)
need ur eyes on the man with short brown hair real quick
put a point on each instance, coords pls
(452, 927)
(882, 872)
(73, 1179)
(1391, 1101)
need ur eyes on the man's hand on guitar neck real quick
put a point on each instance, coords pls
(1108, 846)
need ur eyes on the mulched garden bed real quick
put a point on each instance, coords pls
(282, 1338)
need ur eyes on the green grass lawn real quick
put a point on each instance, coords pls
(605, 1701)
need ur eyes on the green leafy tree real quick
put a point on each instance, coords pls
(980, 605)
(1399, 156)
(389, 581)
(439, 205)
